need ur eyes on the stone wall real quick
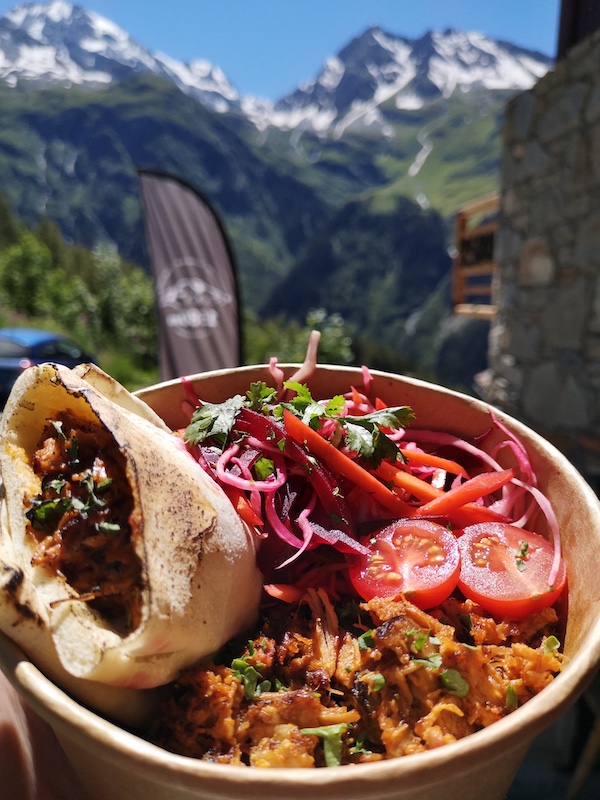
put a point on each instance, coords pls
(544, 348)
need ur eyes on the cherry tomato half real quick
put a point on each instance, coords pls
(415, 557)
(506, 569)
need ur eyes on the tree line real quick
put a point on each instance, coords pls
(108, 305)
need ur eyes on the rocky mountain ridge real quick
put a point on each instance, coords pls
(59, 43)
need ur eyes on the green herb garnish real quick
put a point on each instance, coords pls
(332, 741)
(551, 644)
(511, 700)
(454, 682)
(366, 640)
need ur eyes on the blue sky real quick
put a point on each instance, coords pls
(268, 47)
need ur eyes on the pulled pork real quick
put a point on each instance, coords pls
(330, 685)
(83, 522)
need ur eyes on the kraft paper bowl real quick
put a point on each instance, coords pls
(113, 763)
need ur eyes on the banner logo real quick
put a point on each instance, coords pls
(191, 306)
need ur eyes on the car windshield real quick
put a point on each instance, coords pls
(59, 349)
(9, 349)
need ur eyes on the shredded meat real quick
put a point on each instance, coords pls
(83, 521)
(412, 682)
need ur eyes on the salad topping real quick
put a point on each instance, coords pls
(408, 601)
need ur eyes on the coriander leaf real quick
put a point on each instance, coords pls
(260, 395)
(250, 678)
(56, 484)
(311, 411)
(109, 527)
(432, 662)
(263, 468)
(454, 682)
(332, 741)
(378, 681)
(365, 437)
(335, 406)
(45, 512)
(93, 500)
(511, 699)
(213, 420)
(551, 643)
(302, 405)
(359, 747)
(359, 439)
(366, 640)
(303, 397)
(419, 640)
(393, 418)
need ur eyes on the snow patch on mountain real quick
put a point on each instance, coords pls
(60, 43)
(377, 67)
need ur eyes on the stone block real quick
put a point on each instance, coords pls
(536, 265)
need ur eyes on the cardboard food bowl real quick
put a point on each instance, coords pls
(113, 763)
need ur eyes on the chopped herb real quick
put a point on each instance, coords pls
(454, 682)
(109, 527)
(377, 681)
(44, 513)
(93, 500)
(359, 747)
(73, 450)
(521, 556)
(332, 741)
(511, 700)
(263, 468)
(56, 485)
(250, 678)
(419, 640)
(214, 420)
(311, 411)
(432, 662)
(366, 640)
(260, 395)
(551, 644)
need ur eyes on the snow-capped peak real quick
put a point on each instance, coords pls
(61, 43)
(378, 66)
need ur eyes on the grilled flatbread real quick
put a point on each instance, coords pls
(122, 561)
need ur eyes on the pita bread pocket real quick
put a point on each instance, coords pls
(129, 558)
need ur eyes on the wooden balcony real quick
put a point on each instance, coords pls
(473, 267)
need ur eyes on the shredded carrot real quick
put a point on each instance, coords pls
(415, 486)
(475, 488)
(424, 492)
(343, 464)
(422, 459)
(243, 507)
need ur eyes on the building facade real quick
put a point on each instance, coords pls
(544, 346)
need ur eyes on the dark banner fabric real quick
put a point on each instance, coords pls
(195, 279)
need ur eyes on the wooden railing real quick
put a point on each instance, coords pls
(474, 264)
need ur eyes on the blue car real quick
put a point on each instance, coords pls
(21, 348)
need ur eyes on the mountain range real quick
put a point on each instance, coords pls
(387, 119)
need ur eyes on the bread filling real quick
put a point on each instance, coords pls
(83, 523)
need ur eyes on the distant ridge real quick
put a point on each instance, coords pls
(64, 44)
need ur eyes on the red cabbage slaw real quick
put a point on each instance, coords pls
(311, 517)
